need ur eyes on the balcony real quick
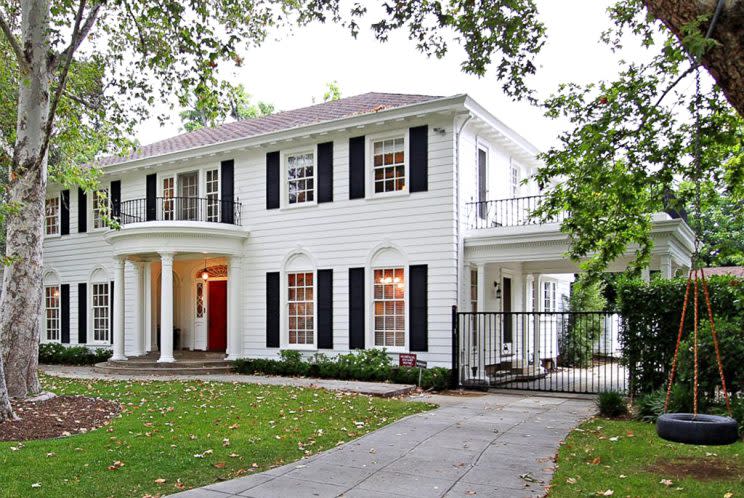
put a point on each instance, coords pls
(203, 209)
(514, 212)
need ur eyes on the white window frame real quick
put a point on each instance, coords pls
(284, 195)
(217, 194)
(474, 302)
(549, 296)
(58, 308)
(311, 345)
(58, 216)
(515, 178)
(370, 163)
(161, 191)
(371, 307)
(94, 210)
(92, 308)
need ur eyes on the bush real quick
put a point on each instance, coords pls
(583, 332)
(649, 406)
(612, 404)
(55, 353)
(366, 365)
(650, 319)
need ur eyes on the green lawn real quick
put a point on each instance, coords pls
(189, 434)
(628, 459)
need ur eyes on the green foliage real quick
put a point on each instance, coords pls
(55, 353)
(612, 404)
(583, 331)
(234, 104)
(650, 322)
(333, 91)
(649, 406)
(364, 365)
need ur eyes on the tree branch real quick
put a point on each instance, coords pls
(77, 39)
(675, 83)
(12, 40)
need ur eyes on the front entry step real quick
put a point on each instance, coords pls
(187, 363)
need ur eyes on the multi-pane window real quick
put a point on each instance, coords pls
(482, 183)
(389, 165)
(100, 208)
(101, 316)
(213, 195)
(300, 178)
(390, 307)
(188, 193)
(514, 181)
(549, 303)
(169, 192)
(51, 304)
(474, 290)
(200, 300)
(51, 216)
(301, 301)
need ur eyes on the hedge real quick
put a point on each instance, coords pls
(650, 321)
(54, 353)
(366, 365)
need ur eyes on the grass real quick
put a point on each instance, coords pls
(188, 434)
(637, 463)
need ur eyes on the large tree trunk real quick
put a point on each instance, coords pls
(21, 301)
(724, 62)
(6, 411)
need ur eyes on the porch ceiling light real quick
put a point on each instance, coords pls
(205, 273)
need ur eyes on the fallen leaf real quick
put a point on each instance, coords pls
(571, 480)
(666, 482)
(614, 439)
(728, 495)
(596, 461)
(219, 465)
(36, 485)
(609, 492)
(159, 481)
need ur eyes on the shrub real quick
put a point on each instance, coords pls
(55, 353)
(583, 332)
(612, 404)
(650, 319)
(649, 406)
(367, 365)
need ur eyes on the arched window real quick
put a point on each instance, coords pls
(389, 297)
(52, 313)
(300, 295)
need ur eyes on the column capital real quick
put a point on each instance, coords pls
(167, 257)
(119, 262)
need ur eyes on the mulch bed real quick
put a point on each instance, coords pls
(57, 417)
(700, 468)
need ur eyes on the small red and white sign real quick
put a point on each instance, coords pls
(407, 360)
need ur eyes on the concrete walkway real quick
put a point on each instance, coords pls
(370, 388)
(494, 445)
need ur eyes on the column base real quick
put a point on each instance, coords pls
(118, 358)
(166, 359)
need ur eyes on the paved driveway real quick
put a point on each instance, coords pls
(495, 445)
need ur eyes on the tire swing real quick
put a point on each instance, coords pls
(696, 428)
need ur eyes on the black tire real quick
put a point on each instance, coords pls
(706, 430)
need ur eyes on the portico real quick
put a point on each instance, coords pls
(186, 281)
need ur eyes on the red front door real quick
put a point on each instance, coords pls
(217, 312)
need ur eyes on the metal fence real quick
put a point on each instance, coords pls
(517, 211)
(577, 352)
(210, 209)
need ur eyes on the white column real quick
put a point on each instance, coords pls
(536, 307)
(646, 275)
(666, 266)
(147, 300)
(166, 308)
(234, 309)
(118, 310)
(139, 311)
(481, 287)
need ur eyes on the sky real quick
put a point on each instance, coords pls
(292, 70)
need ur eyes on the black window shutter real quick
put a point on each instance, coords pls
(356, 168)
(325, 309)
(111, 312)
(325, 172)
(64, 213)
(272, 180)
(82, 211)
(356, 308)
(64, 326)
(418, 325)
(151, 193)
(82, 314)
(272, 309)
(227, 190)
(419, 160)
(116, 199)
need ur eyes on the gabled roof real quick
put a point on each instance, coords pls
(328, 111)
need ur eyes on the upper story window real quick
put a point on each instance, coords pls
(212, 187)
(482, 182)
(390, 307)
(549, 301)
(389, 165)
(169, 193)
(100, 208)
(52, 311)
(300, 178)
(514, 181)
(301, 308)
(51, 216)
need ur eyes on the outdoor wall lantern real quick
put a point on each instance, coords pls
(497, 290)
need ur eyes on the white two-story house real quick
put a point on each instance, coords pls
(351, 224)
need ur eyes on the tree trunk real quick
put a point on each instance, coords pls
(21, 300)
(6, 411)
(724, 62)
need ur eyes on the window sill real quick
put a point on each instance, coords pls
(299, 205)
(388, 195)
(299, 347)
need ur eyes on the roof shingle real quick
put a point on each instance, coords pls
(328, 111)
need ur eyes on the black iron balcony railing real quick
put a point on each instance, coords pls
(517, 211)
(209, 209)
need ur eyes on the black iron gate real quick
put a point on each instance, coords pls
(577, 352)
